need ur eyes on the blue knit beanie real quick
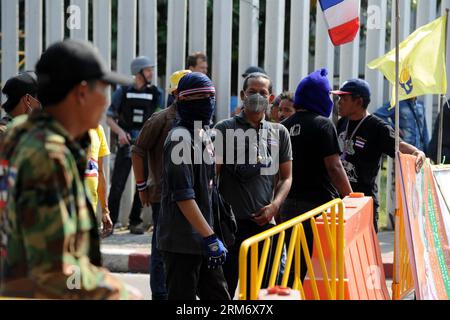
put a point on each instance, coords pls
(313, 94)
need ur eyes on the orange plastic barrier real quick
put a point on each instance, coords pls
(364, 273)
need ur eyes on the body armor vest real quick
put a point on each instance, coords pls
(137, 107)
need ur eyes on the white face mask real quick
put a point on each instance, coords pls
(256, 103)
(30, 109)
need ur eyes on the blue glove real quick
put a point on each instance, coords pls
(216, 251)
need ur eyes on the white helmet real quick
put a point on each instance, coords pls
(140, 63)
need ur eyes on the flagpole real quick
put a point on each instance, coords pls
(441, 104)
(396, 280)
(440, 131)
(397, 77)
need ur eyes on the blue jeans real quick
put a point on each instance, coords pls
(157, 271)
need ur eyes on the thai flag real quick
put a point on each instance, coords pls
(92, 169)
(342, 17)
(360, 142)
(4, 183)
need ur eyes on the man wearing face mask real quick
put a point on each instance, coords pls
(21, 91)
(131, 106)
(254, 167)
(193, 255)
(150, 144)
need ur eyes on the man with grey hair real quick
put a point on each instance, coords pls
(254, 169)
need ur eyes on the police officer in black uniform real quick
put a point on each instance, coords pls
(130, 108)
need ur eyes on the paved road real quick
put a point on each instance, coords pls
(139, 281)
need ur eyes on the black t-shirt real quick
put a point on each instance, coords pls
(188, 173)
(313, 138)
(362, 161)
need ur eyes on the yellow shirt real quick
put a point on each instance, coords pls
(99, 149)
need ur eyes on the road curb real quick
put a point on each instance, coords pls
(388, 264)
(126, 260)
(388, 270)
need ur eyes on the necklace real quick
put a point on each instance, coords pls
(348, 143)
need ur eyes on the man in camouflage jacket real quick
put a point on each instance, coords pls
(48, 231)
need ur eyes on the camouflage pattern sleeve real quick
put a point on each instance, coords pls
(3, 127)
(49, 228)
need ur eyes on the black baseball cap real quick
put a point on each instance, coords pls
(253, 69)
(17, 87)
(356, 87)
(67, 63)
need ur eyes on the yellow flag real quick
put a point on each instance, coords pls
(422, 62)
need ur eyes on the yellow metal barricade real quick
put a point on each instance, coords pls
(332, 275)
(403, 282)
